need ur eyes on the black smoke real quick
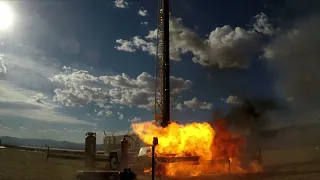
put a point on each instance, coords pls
(250, 115)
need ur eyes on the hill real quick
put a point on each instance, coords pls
(43, 142)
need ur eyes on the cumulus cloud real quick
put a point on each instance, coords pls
(179, 107)
(101, 105)
(194, 103)
(39, 98)
(76, 89)
(121, 4)
(81, 88)
(74, 76)
(262, 25)
(120, 115)
(233, 100)
(136, 43)
(78, 96)
(225, 47)
(126, 45)
(294, 54)
(144, 23)
(134, 119)
(105, 112)
(143, 12)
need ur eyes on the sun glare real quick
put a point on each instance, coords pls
(6, 16)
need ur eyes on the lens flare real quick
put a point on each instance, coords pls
(6, 16)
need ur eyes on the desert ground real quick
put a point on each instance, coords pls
(27, 165)
(18, 164)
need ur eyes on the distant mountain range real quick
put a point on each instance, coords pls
(294, 135)
(43, 142)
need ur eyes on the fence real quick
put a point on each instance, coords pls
(73, 155)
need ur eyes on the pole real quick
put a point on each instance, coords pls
(229, 162)
(166, 66)
(124, 153)
(155, 143)
(48, 151)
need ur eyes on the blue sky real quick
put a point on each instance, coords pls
(75, 66)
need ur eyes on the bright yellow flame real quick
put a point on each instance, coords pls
(6, 16)
(214, 147)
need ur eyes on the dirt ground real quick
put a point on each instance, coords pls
(17, 164)
(22, 165)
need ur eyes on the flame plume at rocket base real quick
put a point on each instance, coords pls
(195, 139)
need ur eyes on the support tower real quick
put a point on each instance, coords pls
(162, 84)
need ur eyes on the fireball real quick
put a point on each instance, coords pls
(217, 150)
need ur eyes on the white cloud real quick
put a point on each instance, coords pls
(48, 131)
(74, 76)
(144, 23)
(24, 60)
(101, 105)
(78, 95)
(121, 4)
(233, 100)
(136, 43)
(105, 112)
(194, 103)
(3, 68)
(78, 130)
(76, 90)
(7, 128)
(225, 47)
(179, 107)
(125, 45)
(19, 90)
(120, 115)
(41, 98)
(109, 113)
(17, 102)
(143, 12)
(262, 25)
(134, 119)
(294, 53)
(121, 89)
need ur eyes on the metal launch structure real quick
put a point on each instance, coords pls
(161, 104)
(162, 74)
(162, 69)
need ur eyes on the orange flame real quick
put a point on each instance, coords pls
(216, 152)
(147, 170)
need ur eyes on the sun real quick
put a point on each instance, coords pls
(6, 16)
